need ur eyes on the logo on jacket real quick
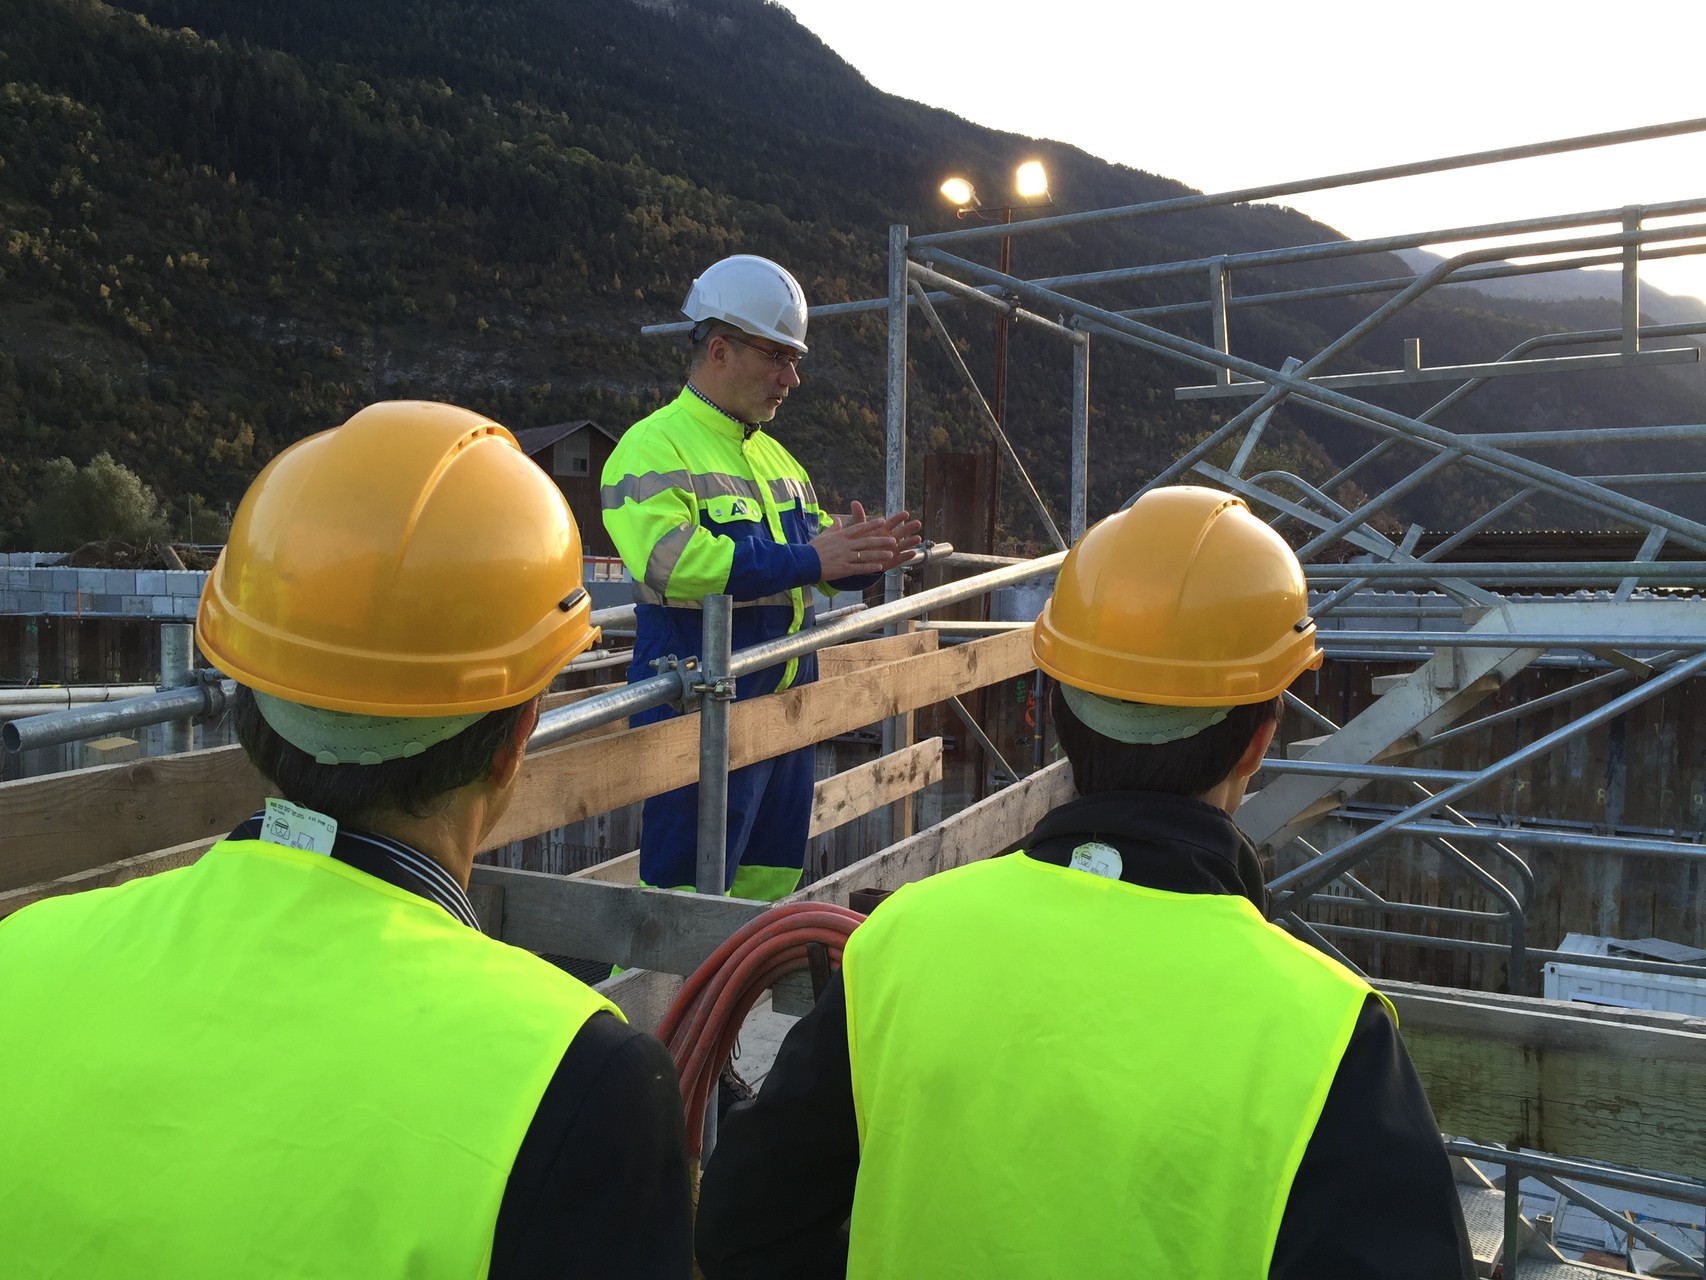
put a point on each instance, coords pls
(727, 508)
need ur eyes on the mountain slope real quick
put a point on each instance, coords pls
(226, 225)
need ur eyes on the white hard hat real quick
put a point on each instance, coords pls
(755, 295)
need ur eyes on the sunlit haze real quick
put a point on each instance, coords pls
(1234, 95)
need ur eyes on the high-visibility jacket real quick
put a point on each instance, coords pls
(265, 1064)
(1056, 1074)
(697, 505)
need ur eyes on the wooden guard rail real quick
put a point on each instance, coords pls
(1604, 1084)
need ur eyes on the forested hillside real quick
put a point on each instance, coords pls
(224, 225)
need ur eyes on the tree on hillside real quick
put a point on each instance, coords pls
(103, 501)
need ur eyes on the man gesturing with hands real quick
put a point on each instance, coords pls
(701, 500)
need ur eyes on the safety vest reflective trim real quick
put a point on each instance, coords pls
(666, 554)
(643, 594)
(643, 487)
(786, 489)
(759, 883)
(702, 484)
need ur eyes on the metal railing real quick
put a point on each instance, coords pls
(1551, 1171)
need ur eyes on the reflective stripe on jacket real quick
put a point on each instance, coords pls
(696, 506)
(265, 1064)
(1056, 1074)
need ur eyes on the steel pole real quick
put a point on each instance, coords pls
(894, 494)
(177, 669)
(199, 701)
(716, 686)
(998, 400)
(717, 690)
(1078, 518)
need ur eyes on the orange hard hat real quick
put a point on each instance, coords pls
(1183, 599)
(412, 562)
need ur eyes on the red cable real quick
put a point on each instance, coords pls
(700, 1027)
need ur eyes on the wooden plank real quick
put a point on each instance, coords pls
(71, 822)
(852, 794)
(643, 995)
(659, 929)
(576, 781)
(68, 823)
(629, 925)
(844, 659)
(108, 874)
(1561, 1078)
(837, 799)
(991, 826)
(565, 784)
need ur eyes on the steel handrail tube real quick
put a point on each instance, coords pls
(1611, 1216)
(189, 702)
(1689, 1190)
(618, 704)
(1477, 947)
(1630, 846)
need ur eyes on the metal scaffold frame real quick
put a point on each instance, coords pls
(929, 270)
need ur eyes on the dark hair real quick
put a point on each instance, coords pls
(1187, 767)
(700, 336)
(354, 794)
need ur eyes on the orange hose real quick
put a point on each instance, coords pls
(700, 1027)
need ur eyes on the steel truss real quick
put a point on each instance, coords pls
(1649, 640)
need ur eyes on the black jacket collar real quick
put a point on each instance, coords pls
(1165, 842)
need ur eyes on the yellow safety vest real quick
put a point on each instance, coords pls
(1057, 1074)
(265, 1064)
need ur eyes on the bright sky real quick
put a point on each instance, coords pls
(1232, 94)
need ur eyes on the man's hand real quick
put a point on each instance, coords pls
(857, 545)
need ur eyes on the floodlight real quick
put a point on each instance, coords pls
(960, 193)
(1031, 181)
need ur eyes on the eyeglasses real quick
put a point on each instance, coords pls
(786, 356)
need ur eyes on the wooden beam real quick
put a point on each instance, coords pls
(991, 826)
(1607, 1084)
(133, 803)
(664, 929)
(626, 924)
(643, 995)
(107, 874)
(68, 823)
(835, 800)
(576, 781)
(844, 659)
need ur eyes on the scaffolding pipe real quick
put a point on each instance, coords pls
(177, 670)
(66, 694)
(717, 689)
(195, 702)
(1299, 884)
(1357, 177)
(1282, 385)
(564, 722)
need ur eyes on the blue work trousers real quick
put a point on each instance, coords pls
(770, 809)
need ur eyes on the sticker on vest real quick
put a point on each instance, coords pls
(1098, 859)
(294, 827)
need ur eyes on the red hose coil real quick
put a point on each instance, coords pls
(700, 1028)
